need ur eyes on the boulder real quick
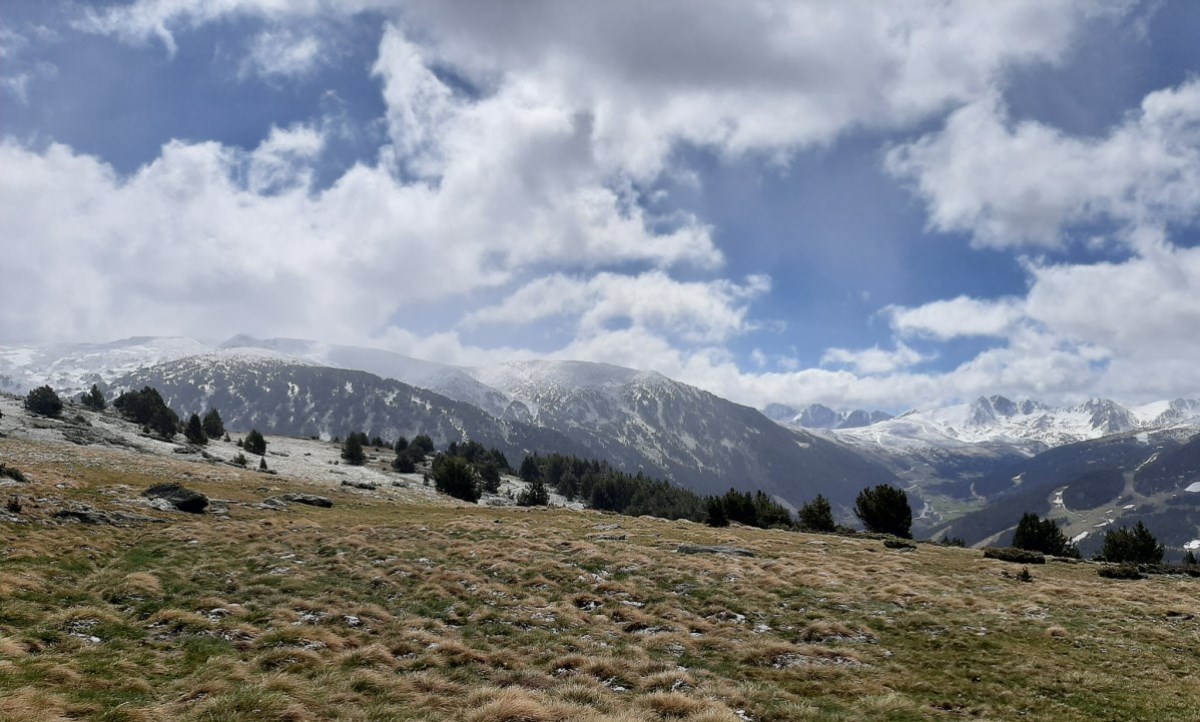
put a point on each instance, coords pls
(701, 549)
(309, 499)
(179, 497)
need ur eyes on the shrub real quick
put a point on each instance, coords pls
(11, 472)
(1120, 571)
(452, 475)
(1042, 535)
(817, 515)
(902, 544)
(1024, 575)
(255, 443)
(1017, 556)
(884, 509)
(240, 460)
(44, 402)
(1137, 546)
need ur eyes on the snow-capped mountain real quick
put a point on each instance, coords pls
(72, 368)
(644, 419)
(818, 416)
(636, 420)
(449, 381)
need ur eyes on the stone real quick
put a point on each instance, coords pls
(702, 549)
(180, 497)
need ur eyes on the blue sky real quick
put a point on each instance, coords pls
(859, 204)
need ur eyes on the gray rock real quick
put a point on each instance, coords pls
(181, 498)
(308, 499)
(85, 514)
(360, 485)
(702, 549)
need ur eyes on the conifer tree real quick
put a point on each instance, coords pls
(44, 402)
(817, 515)
(93, 399)
(194, 431)
(884, 509)
(352, 450)
(535, 494)
(214, 427)
(255, 443)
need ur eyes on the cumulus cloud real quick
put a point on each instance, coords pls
(528, 173)
(1010, 184)
(874, 360)
(952, 318)
(696, 312)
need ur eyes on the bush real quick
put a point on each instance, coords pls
(902, 544)
(11, 472)
(1120, 571)
(240, 460)
(1137, 546)
(44, 402)
(884, 509)
(817, 515)
(255, 443)
(452, 475)
(1012, 554)
(1042, 535)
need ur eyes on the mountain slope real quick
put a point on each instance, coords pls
(284, 396)
(645, 420)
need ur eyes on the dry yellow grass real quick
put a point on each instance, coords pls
(377, 610)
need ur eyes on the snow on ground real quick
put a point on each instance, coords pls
(1193, 545)
(317, 463)
(1080, 537)
(1193, 487)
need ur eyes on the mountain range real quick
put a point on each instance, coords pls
(638, 421)
(970, 469)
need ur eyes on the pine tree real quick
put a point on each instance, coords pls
(1042, 535)
(352, 450)
(489, 474)
(817, 516)
(44, 402)
(884, 509)
(93, 399)
(1137, 546)
(454, 476)
(715, 512)
(255, 443)
(530, 469)
(194, 431)
(535, 494)
(214, 427)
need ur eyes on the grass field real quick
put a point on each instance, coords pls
(386, 609)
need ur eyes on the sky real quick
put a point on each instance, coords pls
(861, 204)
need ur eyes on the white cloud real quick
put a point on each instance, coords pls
(283, 54)
(960, 316)
(1010, 184)
(694, 312)
(874, 360)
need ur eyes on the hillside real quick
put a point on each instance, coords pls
(395, 604)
